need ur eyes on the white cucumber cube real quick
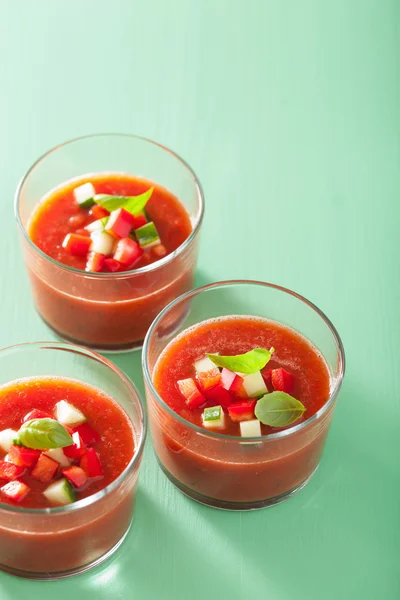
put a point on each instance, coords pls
(58, 455)
(60, 492)
(250, 428)
(204, 365)
(102, 242)
(84, 192)
(7, 436)
(254, 385)
(67, 414)
(213, 417)
(7, 458)
(95, 226)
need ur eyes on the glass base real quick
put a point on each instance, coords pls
(63, 574)
(109, 349)
(227, 505)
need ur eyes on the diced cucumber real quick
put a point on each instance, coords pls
(84, 195)
(213, 417)
(254, 385)
(102, 243)
(60, 492)
(97, 225)
(58, 455)
(250, 428)
(204, 365)
(67, 414)
(147, 235)
(7, 437)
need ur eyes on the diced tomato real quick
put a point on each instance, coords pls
(83, 232)
(112, 265)
(98, 212)
(77, 245)
(95, 262)
(91, 464)
(9, 471)
(159, 251)
(242, 411)
(208, 379)
(15, 490)
(139, 220)
(231, 381)
(282, 381)
(88, 435)
(120, 223)
(45, 469)
(267, 376)
(36, 414)
(76, 475)
(77, 449)
(127, 252)
(219, 395)
(189, 390)
(23, 457)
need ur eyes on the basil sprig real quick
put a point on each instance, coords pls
(279, 409)
(43, 434)
(247, 363)
(133, 204)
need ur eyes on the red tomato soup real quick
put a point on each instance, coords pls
(103, 445)
(229, 469)
(114, 311)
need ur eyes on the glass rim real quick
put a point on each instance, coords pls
(124, 274)
(222, 436)
(92, 499)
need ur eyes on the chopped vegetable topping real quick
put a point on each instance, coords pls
(282, 381)
(254, 385)
(67, 414)
(7, 437)
(242, 411)
(250, 428)
(214, 417)
(147, 235)
(120, 223)
(45, 469)
(60, 492)
(9, 471)
(84, 195)
(78, 245)
(15, 490)
(193, 397)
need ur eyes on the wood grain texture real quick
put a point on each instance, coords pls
(289, 113)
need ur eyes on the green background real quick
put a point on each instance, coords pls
(289, 113)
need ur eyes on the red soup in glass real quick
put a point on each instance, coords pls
(69, 459)
(109, 228)
(240, 404)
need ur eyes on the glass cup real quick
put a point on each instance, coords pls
(222, 470)
(108, 311)
(51, 543)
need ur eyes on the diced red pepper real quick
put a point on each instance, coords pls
(112, 265)
(23, 457)
(242, 411)
(159, 251)
(208, 379)
(267, 376)
(9, 471)
(189, 390)
(241, 393)
(91, 464)
(45, 469)
(120, 223)
(127, 252)
(83, 232)
(15, 490)
(77, 245)
(231, 381)
(36, 414)
(139, 220)
(76, 475)
(282, 381)
(219, 395)
(95, 262)
(88, 435)
(98, 212)
(77, 449)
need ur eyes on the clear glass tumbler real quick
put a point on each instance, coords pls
(108, 311)
(51, 543)
(226, 471)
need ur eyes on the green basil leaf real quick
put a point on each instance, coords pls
(43, 434)
(133, 204)
(248, 363)
(278, 409)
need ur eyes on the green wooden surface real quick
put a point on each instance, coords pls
(289, 113)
